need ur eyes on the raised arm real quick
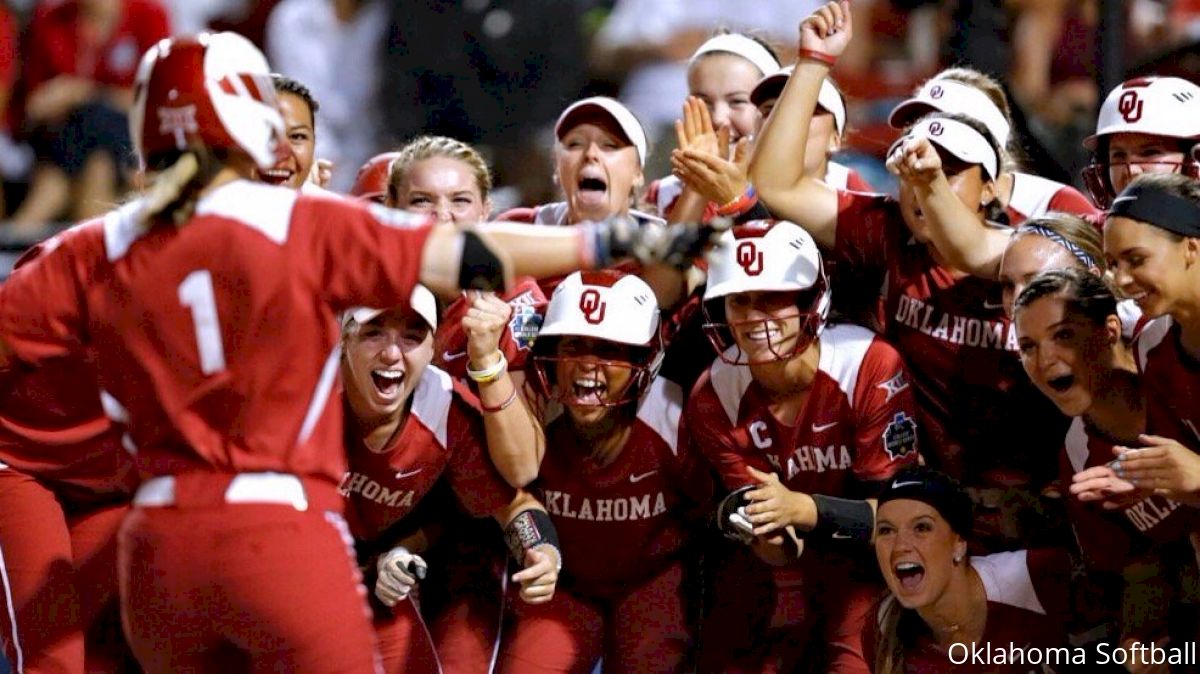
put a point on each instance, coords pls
(964, 240)
(777, 167)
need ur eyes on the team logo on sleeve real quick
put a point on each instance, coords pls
(900, 436)
(894, 385)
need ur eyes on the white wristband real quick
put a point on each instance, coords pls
(490, 374)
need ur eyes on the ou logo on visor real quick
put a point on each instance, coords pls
(592, 306)
(750, 258)
(1130, 106)
(937, 92)
(936, 129)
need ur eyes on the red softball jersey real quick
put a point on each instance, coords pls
(443, 434)
(218, 340)
(622, 523)
(960, 347)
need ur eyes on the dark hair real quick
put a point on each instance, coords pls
(994, 211)
(1083, 293)
(287, 85)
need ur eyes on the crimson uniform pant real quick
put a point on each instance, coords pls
(208, 586)
(405, 645)
(766, 621)
(58, 565)
(466, 631)
(645, 630)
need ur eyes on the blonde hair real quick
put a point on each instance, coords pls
(427, 147)
(889, 646)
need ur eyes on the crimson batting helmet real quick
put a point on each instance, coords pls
(612, 308)
(1166, 107)
(371, 183)
(212, 90)
(766, 256)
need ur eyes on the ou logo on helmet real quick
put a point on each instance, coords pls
(1130, 106)
(750, 258)
(592, 306)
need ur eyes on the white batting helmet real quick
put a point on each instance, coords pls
(604, 305)
(211, 89)
(766, 256)
(1156, 106)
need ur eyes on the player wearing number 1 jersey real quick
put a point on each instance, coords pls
(211, 302)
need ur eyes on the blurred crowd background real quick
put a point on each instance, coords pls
(496, 73)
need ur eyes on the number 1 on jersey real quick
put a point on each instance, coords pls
(196, 293)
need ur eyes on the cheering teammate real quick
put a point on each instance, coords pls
(952, 328)
(219, 295)
(621, 485)
(408, 424)
(795, 416)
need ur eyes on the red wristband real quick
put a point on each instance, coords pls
(512, 397)
(820, 56)
(741, 204)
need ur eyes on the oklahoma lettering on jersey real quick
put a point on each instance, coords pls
(959, 346)
(1106, 537)
(1171, 378)
(858, 423)
(229, 321)
(622, 523)
(1027, 608)
(442, 434)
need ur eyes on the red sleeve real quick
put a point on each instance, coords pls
(526, 215)
(528, 304)
(40, 46)
(1050, 570)
(474, 479)
(1104, 545)
(886, 427)
(361, 254)
(856, 183)
(692, 475)
(9, 64)
(42, 304)
(867, 229)
(716, 439)
(1070, 200)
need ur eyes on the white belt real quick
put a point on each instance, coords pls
(278, 488)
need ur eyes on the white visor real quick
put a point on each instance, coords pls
(611, 108)
(948, 95)
(828, 99)
(733, 43)
(422, 302)
(956, 138)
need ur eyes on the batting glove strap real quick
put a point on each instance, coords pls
(843, 519)
(731, 516)
(529, 529)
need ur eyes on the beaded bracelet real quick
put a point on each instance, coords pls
(819, 56)
(512, 397)
(490, 374)
(741, 204)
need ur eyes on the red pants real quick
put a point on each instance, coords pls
(58, 566)
(405, 645)
(645, 630)
(213, 587)
(764, 621)
(466, 631)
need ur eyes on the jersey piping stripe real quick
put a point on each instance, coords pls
(320, 394)
(19, 665)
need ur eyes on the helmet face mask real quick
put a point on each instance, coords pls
(638, 376)
(597, 321)
(1097, 176)
(810, 310)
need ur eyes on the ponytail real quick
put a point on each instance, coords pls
(177, 185)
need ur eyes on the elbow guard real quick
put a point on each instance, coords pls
(843, 519)
(480, 268)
